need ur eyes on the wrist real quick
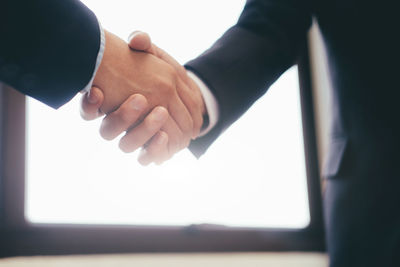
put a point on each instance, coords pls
(209, 104)
(107, 74)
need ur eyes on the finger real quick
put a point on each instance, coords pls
(141, 134)
(140, 41)
(191, 98)
(160, 53)
(192, 102)
(91, 103)
(176, 139)
(181, 115)
(156, 151)
(124, 117)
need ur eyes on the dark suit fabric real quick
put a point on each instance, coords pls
(362, 199)
(48, 48)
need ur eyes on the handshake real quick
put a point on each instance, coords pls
(146, 93)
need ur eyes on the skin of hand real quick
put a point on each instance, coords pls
(140, 41)
(159, 144)
(124, 72)
(146, 133)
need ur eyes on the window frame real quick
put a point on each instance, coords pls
(21, 238)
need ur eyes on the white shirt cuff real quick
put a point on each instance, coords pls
(210, 102)
(98, 60)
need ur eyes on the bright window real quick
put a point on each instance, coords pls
(253, 176)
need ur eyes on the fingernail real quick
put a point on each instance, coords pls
(159, 114)
(137, 103)
(133, 34)
(93, 97)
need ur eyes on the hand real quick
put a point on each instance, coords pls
(141, 41)
(124, 72)
(157, 81)
(192, 98)
(146, 132)
(116, 122)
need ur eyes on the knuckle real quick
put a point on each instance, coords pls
(167, 83)
(164, 86)
(123, 115)
(150, 124)
(156, 119)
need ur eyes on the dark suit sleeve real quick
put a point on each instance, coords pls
(249, 57)
(48, 48)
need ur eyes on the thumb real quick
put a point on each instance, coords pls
(91, 103)
(140, 41)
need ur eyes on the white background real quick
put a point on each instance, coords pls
(253, 176)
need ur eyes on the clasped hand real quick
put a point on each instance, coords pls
(145, 93)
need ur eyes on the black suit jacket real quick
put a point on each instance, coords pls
(363, 50)
(48, 48)
(362, 195)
